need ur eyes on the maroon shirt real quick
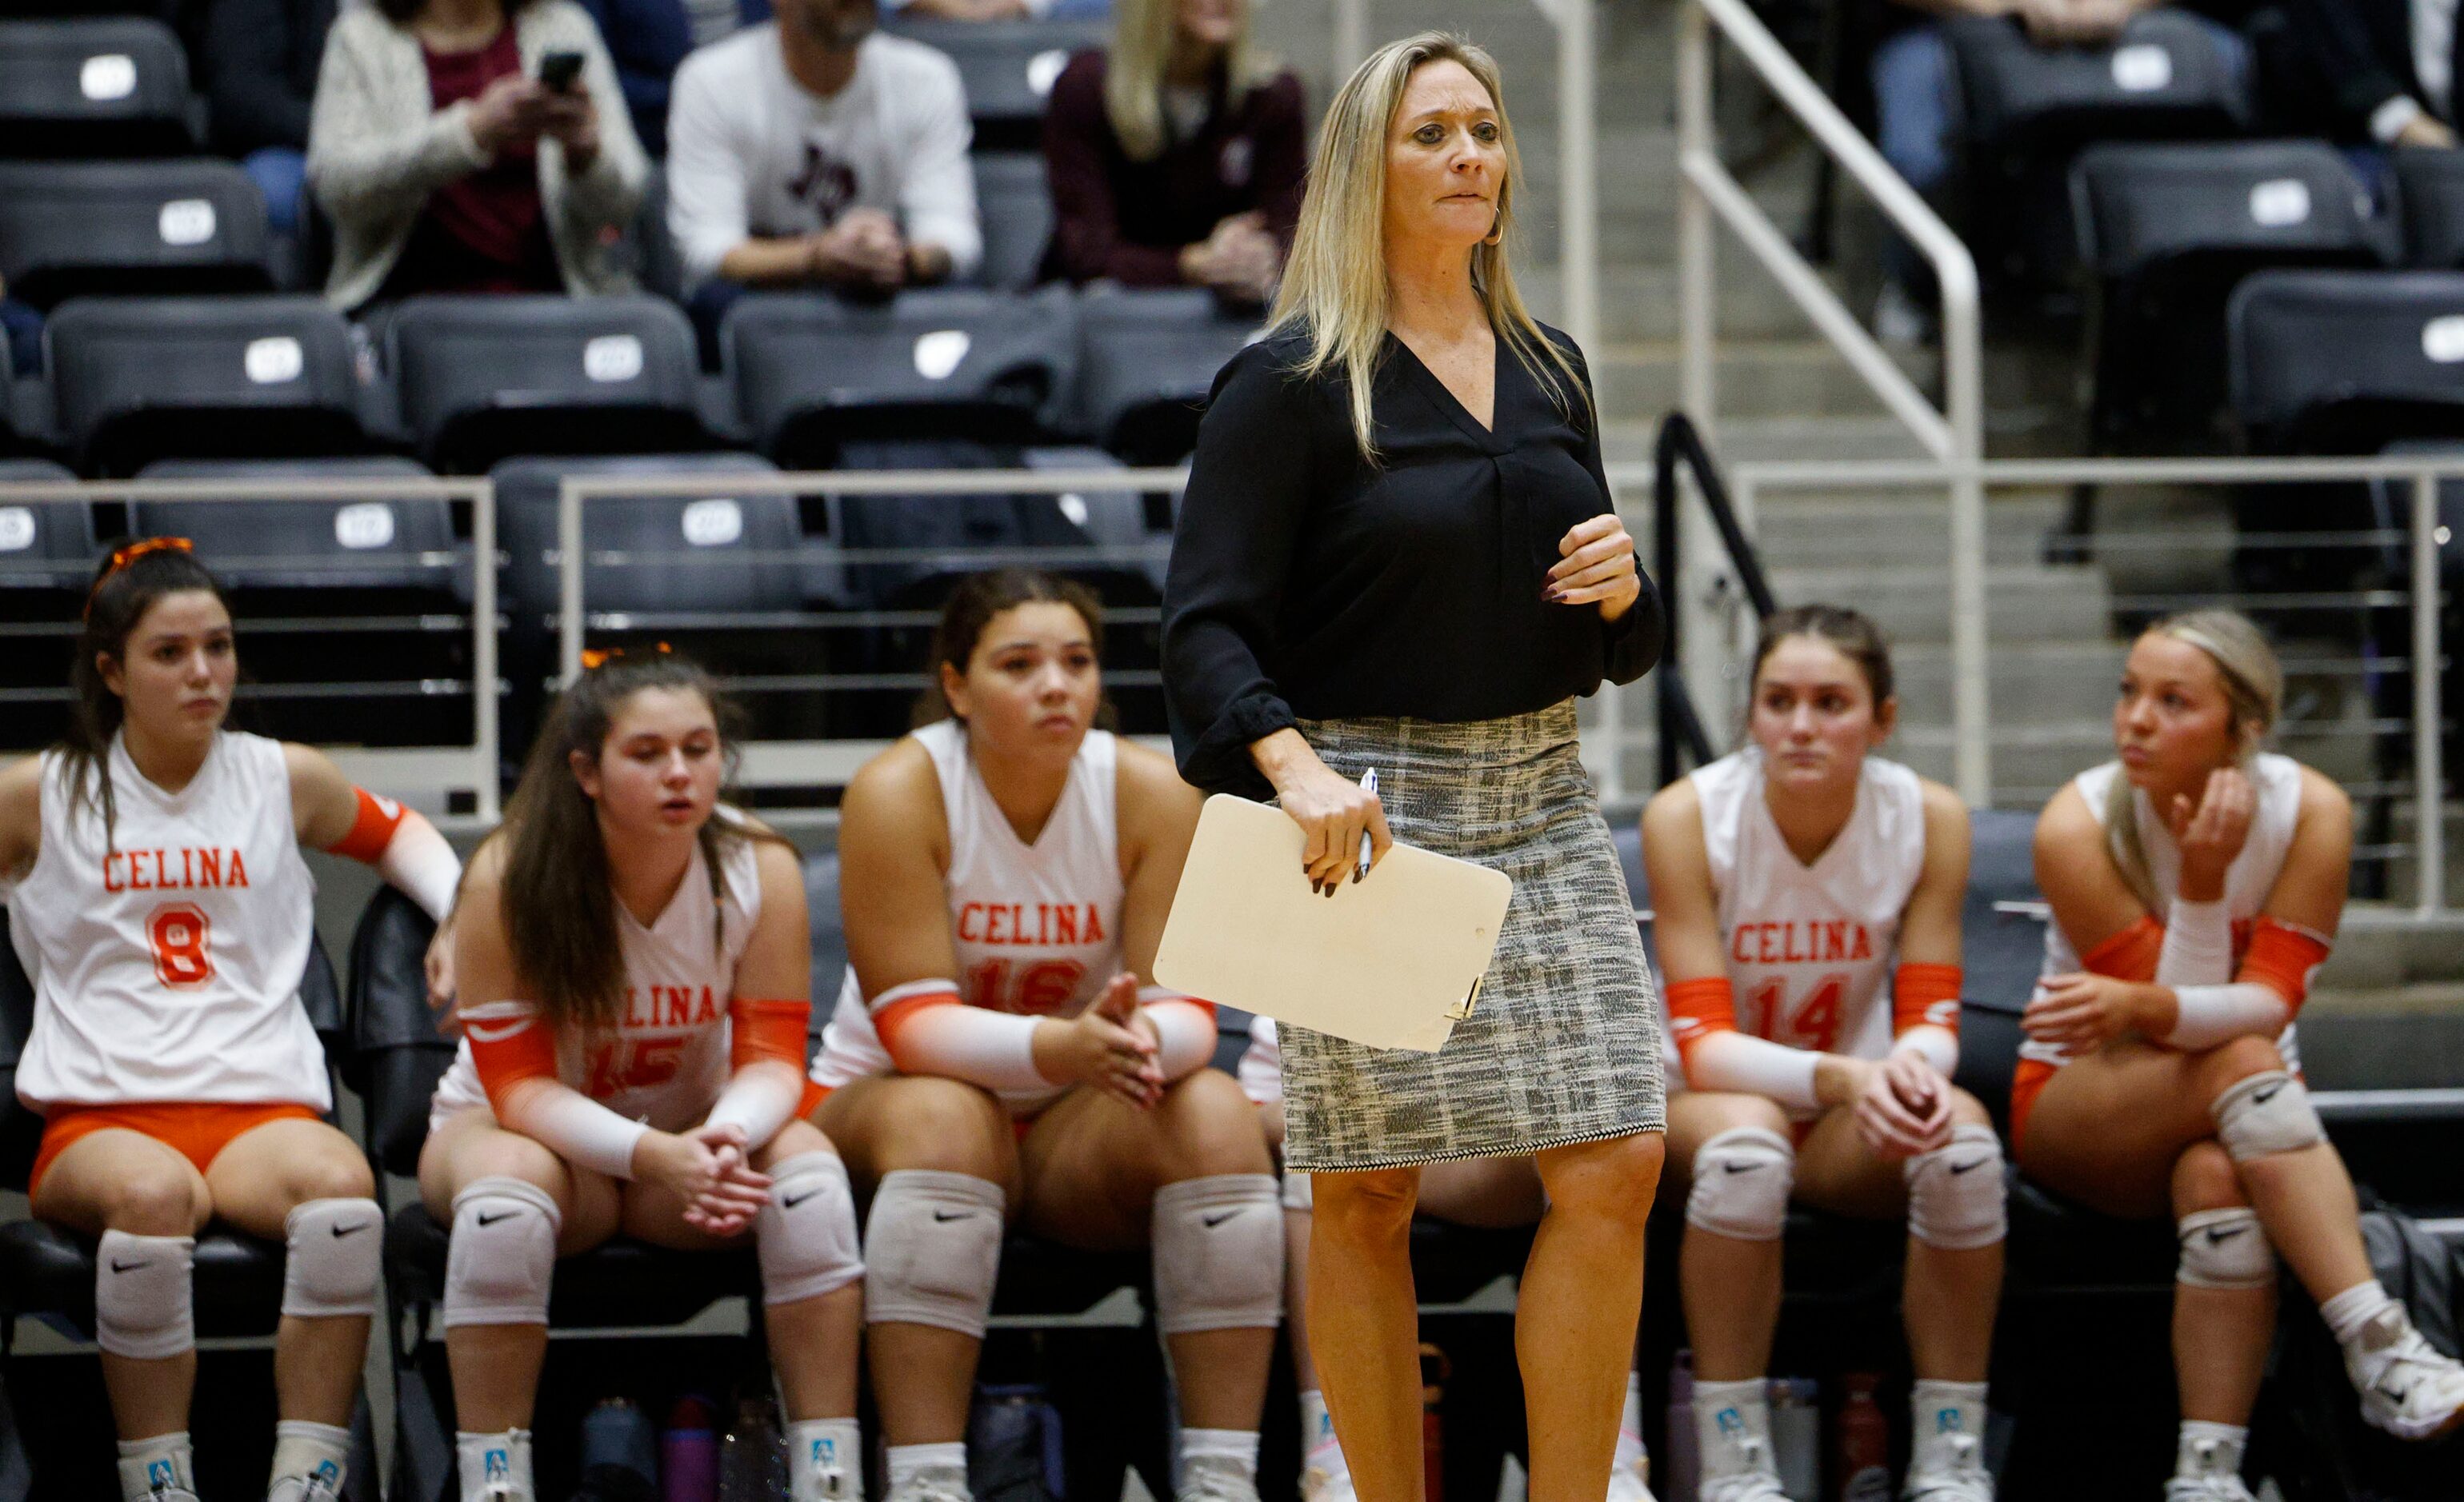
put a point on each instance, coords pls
(1129, 220)
(486, 231)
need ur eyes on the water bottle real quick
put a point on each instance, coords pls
(619, 1454)
(689, 1452)
(1680, 1464)
(1865, 1443)
(1797, 1436)
(753, 1458)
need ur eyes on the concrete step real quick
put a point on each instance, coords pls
(1893, 531)
(1912, 604)
(1754, 379)
(2035, 684)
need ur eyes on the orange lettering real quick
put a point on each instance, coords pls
(238, 870)
(136, 864)
(708, 1012)
(1094, 924)
(1865, 949)
(993, 924)
(1065, 924)
(213, 862)
(1788, 944)
(967, 916)
(1737, 944)
(108, 885)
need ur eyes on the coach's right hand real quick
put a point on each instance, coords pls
(1333, 810)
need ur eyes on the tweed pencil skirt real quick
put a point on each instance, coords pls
(1563, 1045)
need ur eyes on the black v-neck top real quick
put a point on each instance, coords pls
(1308, 583)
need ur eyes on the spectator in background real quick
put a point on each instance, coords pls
(649, 39)
(814, 151)
(1913, 112)
(1175, 155)
(1005, 10)
(448, 166)
(260, 67)
(2381, 71)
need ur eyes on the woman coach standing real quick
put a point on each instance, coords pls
(1398, 553)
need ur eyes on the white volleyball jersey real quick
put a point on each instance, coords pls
(668, 1055)
(1811, 947)
(1037, 929)
(2248, 880)
(166, 955)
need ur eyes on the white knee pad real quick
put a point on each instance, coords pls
(503, 1255)
(332, 1253)
(1741, 1183)
(1219, 1254)
(2267, 1112)
(2225, 1249)
(805, 1234)
(1296, 1191)
(931, 1249)
(1955, 1192)
(144, 1300)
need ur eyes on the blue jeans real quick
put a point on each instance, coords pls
(281, 174)
(24, 329)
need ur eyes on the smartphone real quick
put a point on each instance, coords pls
(558, 71)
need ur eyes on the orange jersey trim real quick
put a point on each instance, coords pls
(508, 1051)
(892, 1020)
(2130, 955)
(763, 1031)
(197, 1130)
(372, 830)
(2282, 958)
(2027, 1082)
(1697, 1008)
(1925, 996)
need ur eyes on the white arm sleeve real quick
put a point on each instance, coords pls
(575, 1127)
(936, 196)
(1184, 1030)
(2198, 945)
(1726, 1059)
(419, 864)
(761, 1099)
(992, 1048)
(2207, 1015)
(707, 213)
(1936, 1046)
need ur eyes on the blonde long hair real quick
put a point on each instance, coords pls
(1334, 284)
(2253, 684)
(1143, 35)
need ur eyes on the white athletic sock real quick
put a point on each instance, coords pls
(825, 1461)
(1939, 1409)
(1238, 1446)
(2355, 1307)
(2227, 1439)
(1318, 1444)
(1732, 1427)
(308, 1451)
(1629, 1443)
(164, 1460)
(503, 1460)
(906, 1460)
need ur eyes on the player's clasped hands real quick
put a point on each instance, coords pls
(1109, 1046)
(1905, 1107)
(706, 1169)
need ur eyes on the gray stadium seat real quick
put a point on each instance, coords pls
(1014, 201)
(72, 229)
(107, 86)
(2027, 109)
(1147, 360)
(2347, 362)
(2167, 231)
(487, 377)
(1007, 68)
(311, 545)
(810, 372)
(44, 545)
(136, 380)
(2430, 198)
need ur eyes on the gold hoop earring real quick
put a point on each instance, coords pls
(1496, 234)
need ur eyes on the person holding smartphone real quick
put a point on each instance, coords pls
(472, 146)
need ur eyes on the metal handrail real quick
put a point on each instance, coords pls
(1680, 725)
(1953, 434)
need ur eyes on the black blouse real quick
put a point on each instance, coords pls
(1308, 582)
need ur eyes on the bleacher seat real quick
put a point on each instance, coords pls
(136, 380)
(810, 372)
(44, 545)
(106, 86)
(392, 544)
(1007, 67)
(1014, 201)
(1147, 360)
(2430, 200)
(2347, 362)
(2167, 231)
(2028, 110)
(69, 228)
(483, 378)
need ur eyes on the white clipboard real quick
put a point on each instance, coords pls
(1393, 960)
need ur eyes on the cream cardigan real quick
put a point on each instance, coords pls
(376, 147)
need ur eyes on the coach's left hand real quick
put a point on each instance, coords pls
(1597, 563)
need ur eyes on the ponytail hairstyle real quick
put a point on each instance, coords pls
(126, 586)
(971, 607)
(559, 903)
(2254, 685)
(1851, 633)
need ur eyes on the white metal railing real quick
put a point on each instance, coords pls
(2420, 473)
(436, 772)
(1953, 434)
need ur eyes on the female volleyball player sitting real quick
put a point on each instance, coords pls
(633, 964)
(1467, 1192)
(2196, 883)
(998, 1051)
(1807, 897)
(157, 894)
